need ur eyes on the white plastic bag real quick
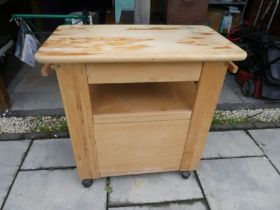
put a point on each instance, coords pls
(26, 45)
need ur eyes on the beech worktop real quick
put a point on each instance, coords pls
(136, 43)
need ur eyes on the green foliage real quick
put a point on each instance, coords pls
(47, 124)
(232, 120)
(41, 129)
(108, 188)
(63, 126)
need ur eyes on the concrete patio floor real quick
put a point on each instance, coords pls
(29, 91)
(239, 171)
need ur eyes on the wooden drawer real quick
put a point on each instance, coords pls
(142, 72)
(138, 147)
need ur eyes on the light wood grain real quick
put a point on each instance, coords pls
(76, 99)
(209, 87)
(138, 102)
(140, 147)
(46, 69)
(186, 92)
(232, 68)
(142, 72)
(136, 43)
(4, 96)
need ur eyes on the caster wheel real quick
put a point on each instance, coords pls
(87, 183)
(248, 88)
(186, 174)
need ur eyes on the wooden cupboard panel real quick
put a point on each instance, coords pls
(4, 97)
(143, 147)
(99, 73)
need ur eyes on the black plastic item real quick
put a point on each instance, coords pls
(186, 174)
(87, 183)
(270, 91)
(248, 88)
(272, 61)
(4, 40)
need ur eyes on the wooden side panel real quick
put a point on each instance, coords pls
(4, 96)
(186, 91)
(139, 147)
(209, 87)
(76, 99)
(143, 72)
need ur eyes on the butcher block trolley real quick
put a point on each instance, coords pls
(138, 98)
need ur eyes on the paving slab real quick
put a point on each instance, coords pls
(20, 75)
(194, 205)
(230, 81)
(34, 101)
(153, 188)
(53, 190)
(49, 153)
(30, 91)
(230, 144)
(228, 96)
(33, 81)
(240, 183)
(269, 141)
(11, 154)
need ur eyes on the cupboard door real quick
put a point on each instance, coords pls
(138, 147)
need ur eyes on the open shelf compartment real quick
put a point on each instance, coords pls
(114, 103)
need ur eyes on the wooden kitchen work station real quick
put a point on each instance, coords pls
(138, 98)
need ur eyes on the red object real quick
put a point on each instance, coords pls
(244, 76)
(257, 92)
(231, 35)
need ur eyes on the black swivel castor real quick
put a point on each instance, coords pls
(87, 183)
(186, 174)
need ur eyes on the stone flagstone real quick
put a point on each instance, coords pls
(193, 205)
(230, 144)
(30, 91)
(33, 82)
(228, 95)
(241, 183)
(269, 141)
(36, 101)
(49, 153)
(11, 154)
(55, 190)
(153, 188)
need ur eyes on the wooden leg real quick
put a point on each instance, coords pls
(75, 93)
(209, 87)
(4, 97)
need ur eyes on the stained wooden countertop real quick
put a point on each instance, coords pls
(136, 43)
